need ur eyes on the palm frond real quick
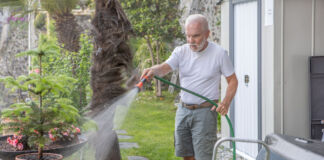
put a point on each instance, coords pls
(59, 6)
(11, 3)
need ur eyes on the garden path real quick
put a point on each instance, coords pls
(127, 145)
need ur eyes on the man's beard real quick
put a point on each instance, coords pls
(198, 46)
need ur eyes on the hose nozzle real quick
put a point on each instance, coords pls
(139, 85)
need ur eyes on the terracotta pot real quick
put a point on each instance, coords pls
(29, 155)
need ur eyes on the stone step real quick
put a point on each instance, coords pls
(120, 131)
(136, 158)
(124, 137)
(127, 145)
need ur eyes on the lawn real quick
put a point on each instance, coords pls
(150, 121)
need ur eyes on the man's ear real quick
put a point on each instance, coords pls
(207, 33)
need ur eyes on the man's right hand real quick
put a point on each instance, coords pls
(149, 73)
(159, 70)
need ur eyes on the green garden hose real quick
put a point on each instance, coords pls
(210, 101)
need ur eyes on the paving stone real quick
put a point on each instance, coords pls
(136, 158)
(120, 131)
(124, 137)
(126, 145)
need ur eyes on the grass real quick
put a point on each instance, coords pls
(150, 121)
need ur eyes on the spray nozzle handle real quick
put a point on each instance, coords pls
(143, 80)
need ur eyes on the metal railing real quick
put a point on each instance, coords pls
(218, 143)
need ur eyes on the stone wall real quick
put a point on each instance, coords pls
(207, 8)
(13, 40)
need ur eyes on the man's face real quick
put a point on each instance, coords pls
(196, 36)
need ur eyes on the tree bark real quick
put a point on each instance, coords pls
(68, 31)
(158, 86)
(149, 44)
(111, 57)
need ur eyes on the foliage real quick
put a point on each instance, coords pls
(60, 62)
(84, 4)
(47, 107)
(59, 6)
(22, 6)
(156, 21)
(142, 56)
(19, 22)
(40, 20)
(60, 10)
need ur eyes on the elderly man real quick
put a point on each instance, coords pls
(201, 64)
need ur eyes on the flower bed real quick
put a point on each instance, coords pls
(8, 152)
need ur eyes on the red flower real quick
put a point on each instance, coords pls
(66, 133)
(15, 142)
(9, 140)
(52, 137)
(77, 130)
(36, 131)
(20, 146)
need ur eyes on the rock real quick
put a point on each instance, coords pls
(127, 145)
(120, 131)
(136, 158)
(124, 137)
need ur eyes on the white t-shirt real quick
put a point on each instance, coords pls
(200, 72)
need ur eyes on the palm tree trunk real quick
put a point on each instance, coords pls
(68, 31)
(111, 57)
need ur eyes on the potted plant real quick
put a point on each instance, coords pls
(47, 116)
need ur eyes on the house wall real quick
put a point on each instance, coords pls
(300, 38)
(225, 44)
(286, 45)
(267, 71)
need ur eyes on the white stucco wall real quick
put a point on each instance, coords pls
(267, 58)
(286, 46)
(225, 44)
(298, 39)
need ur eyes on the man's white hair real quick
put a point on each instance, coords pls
(197, 18)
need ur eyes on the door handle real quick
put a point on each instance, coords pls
(246, 80)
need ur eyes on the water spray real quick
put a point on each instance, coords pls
(140, 85)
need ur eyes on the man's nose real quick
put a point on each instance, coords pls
(190, 39)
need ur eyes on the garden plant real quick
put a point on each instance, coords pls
(47, 116)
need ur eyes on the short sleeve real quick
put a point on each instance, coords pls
(227, 68)
(173, 60)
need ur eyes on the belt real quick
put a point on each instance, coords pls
(197, 106)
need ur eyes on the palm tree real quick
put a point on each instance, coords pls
(68, 30)
(112, 57)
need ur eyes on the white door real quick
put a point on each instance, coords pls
(246, 68)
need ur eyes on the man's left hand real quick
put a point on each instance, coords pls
(221, 109)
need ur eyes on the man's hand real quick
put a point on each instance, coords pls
(159, 70)
(230, 92)
(222, 108)
(149, 73)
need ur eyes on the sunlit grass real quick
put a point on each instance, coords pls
(150, 121)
